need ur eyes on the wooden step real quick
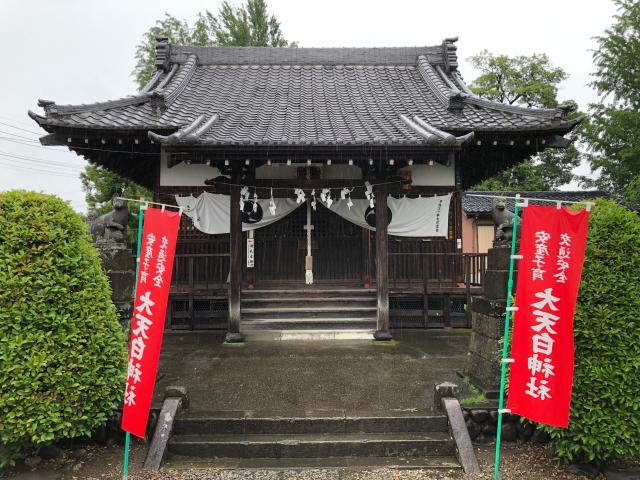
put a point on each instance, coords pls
(326, 324)
(307, 309)
(314, 293)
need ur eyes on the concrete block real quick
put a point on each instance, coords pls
(444, 390)
(173, 391)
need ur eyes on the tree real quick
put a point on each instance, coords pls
(247, 25)
(62, 349)
(613, 132)
(530, 81)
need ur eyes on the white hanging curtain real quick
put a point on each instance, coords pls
(210, 212)
(410, 217)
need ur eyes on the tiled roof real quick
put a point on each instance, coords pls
(305, 96)
(473, 205)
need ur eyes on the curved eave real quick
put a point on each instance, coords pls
(562, 127)
(50, 124)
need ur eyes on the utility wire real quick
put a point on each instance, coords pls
(40, 161)
(19, 136)
(18, 128)
(44, 168)
(32, 170)
(19, 122)
(39, 166)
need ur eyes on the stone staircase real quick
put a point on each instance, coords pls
(248, 442)
(309, 309)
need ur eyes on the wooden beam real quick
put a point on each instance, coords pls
(235, 261)
(382, 258)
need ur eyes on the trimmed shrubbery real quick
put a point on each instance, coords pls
(62, 349)
(605, 408)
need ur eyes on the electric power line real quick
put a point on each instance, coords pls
(19, 136)
(40, 161)
(35, 170)
(18, 128)
(34, 144)
(37, 167)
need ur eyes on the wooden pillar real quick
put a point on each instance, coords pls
(382, 268)
(235, 266)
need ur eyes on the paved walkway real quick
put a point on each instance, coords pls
(314, 378)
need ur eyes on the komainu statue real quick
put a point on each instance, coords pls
(112, 225)
(502, 219)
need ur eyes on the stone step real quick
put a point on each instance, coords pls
(434, 462)
(314, 445)
(302, 425)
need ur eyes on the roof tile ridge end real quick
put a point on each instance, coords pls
(427, 72)
(176, 85)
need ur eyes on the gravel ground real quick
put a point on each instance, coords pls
(519, 462)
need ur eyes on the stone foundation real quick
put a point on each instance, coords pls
(119, 266)
(482, 424)
(487, 320)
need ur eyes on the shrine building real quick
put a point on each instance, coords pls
(321, 187)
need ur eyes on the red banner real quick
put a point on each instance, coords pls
(552, 245)
(159, 236)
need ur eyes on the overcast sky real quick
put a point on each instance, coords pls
(79, 51)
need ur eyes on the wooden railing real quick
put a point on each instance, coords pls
(199, 271)
(206, 271)
(436, 269)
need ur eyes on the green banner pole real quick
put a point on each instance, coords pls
(505, 343)
(127, 437)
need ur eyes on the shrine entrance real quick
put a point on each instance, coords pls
(340, 249)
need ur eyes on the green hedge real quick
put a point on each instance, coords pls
(605, 407)
(62, 349)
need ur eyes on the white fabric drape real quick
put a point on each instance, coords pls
(210, 212)
(411, 217)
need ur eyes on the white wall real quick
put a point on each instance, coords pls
(432, 175)
(182, 174)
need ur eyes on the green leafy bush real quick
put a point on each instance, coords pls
(604, 424)
(62, 349)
